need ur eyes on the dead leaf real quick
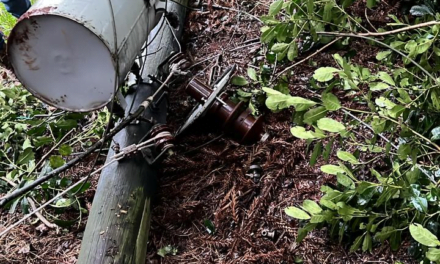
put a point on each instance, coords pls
(25, 249)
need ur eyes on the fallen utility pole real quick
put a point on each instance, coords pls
(119, 222)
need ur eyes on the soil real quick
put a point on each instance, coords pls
(207, 180)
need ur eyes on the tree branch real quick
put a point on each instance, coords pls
(74, 161)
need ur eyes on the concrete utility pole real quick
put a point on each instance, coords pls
(119, 222)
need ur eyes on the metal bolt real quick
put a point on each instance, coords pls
(268, 234)
(255, 172)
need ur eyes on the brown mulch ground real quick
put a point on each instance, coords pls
(210, 183)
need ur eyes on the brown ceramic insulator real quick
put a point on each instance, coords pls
(157, 129)
(236, 119)
(228, 113)
(198, 90)
(248, 127)
(163, 143)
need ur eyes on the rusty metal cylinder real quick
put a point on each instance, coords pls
(235, 119)
(72, 54)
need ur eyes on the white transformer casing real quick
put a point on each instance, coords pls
(63, 51)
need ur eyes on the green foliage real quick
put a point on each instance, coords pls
(29, 129)
(387, 178)
(167, 250)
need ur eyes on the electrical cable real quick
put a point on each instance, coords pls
(115, 91)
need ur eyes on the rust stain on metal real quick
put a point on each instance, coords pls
(37, 11)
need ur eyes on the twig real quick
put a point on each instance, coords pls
(39, 215)
(378, 34)
(244, 46)
(31, 202)
(203, 145)
(309, 57)
(50, 151)
(238, 11)
(415, 132)
(368, 126)
(368, 20)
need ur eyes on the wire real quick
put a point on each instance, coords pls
(115, 90)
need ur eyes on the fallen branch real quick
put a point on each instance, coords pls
(385, 33)
(144, 105)
(74, 161)
(4, 232)
(39, 215)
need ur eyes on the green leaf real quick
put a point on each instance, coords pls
(77, 189)
(27, 144)
(293, 51)
(63, 203)
(26, 156)
(368, 243)
(386, 78)
(328, 149)
(279, 47)
(371, 3)
(66, 124)
(278, 101)
(252, 74)
(346, 211)
(347, 156)
(345, 181)
(385, 233)
(378, 125)
(404, 151)
(239, 81)
(310, 7)
(56, 161)
(24, 205)
(167, 250)
(302, 232)
(300, 132)
(314, 114)
(435, 133)
(331, 102)
(210, 228)
(357, 243)
(41, 141)
(316, 152)
(296, 213)
(275, 7)
(316, 219)
(433, 254)
(328, 15)
(312, 207)
(423, 236)
(332, 169)
(383, 54)
(396, 111)
(65, 150)
(330, 125)
(339, 59)
(328, 204)
(268, 35)
(325, 74)
(420, 203)
(384, 102)
(378, 86)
